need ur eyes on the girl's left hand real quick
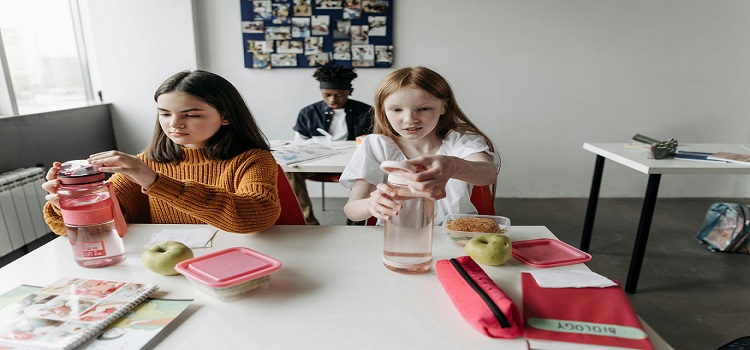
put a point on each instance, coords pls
(433, 172)
(131, 166)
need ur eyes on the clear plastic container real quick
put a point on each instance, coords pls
(230, 273)
(460, 237)
(92, 217)
(407, 239)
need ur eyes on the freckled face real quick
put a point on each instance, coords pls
(413, 112)
(187, 120)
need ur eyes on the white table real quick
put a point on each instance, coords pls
(332, 164)
(331, 293)
(638, 160)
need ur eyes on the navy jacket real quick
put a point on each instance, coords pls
(359, 119)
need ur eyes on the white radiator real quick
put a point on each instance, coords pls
(21, 202)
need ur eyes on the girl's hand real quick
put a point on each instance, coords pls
(433, 173)
(52, 184)
(131, 166)
(381, 203)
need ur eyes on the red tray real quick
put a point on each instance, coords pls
(548, 252)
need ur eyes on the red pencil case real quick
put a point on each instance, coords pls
(479, 300)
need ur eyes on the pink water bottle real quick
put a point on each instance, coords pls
(92, 216)
(407, 237)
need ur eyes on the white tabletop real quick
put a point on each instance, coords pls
(637, 159)
(333, 164)
(331, 293)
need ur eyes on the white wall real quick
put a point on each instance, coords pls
(134, 46)
(540, 77)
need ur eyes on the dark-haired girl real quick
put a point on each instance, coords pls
(207, 163)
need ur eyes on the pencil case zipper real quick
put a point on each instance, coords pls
(486, 298)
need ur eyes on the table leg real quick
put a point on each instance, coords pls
(588, 224)
(639, 250)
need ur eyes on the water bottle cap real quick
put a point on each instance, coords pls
(79, 171)
(392, 168)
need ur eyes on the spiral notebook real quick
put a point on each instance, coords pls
(67, 313)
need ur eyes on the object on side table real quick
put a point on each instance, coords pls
(664, 149)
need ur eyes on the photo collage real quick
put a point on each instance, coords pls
(311, 33)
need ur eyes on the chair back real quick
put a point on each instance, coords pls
(291, 214)
(481, 197)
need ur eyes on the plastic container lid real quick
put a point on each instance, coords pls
(548, 252)
(392, 167)
(228, 267)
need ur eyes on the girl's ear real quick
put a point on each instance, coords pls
(445, 106)
(224, 121)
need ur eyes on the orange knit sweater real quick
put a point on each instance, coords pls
(235, 195)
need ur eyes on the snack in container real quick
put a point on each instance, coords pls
(463, 227)
(229, 273)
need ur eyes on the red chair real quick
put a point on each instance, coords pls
(291, 214)
(483, 200)
(323, 178)
(481, 197)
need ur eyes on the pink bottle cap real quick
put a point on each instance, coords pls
(79, 171)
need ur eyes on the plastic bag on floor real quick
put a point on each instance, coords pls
(726, 227)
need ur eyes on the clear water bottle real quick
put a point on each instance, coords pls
(407, 239)
(93, 220)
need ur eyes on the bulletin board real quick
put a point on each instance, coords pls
(310, 33)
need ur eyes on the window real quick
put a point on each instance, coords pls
(44, 57)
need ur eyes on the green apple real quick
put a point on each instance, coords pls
(163, 257)
(489, 249)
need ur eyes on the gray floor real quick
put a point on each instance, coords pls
(694, 298)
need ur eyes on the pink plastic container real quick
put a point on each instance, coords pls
(548, 252)
(229, 273)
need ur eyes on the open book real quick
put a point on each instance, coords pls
(295, 153)
(67, 313)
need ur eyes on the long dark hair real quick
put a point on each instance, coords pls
(241, 134)
(434, 84)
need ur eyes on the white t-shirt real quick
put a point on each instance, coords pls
(365, 164)
(338, 128)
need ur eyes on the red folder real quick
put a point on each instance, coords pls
(597, 316)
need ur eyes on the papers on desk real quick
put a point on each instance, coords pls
(295, 153)
(696, 156)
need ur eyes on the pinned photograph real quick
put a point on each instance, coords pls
(377, 25)
(261, 61)
(328, 4)
(252, 27)
(352, 9)
(384, 54)
(289, 46)
(281, 13)
(260, 46)
(302, 8)
(278, 33)
(283, 60)
(321, 25)
(318, 59)
(313, 44)
(262, 10)
(341, 28)
(375, 6)
(342, 50)
(300, 27)
(363, 55)
(359, 35)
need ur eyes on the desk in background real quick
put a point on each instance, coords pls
(637, 159)
(331, 293)
(333, 164)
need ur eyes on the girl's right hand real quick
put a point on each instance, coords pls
(52, 184)
(381, 203)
